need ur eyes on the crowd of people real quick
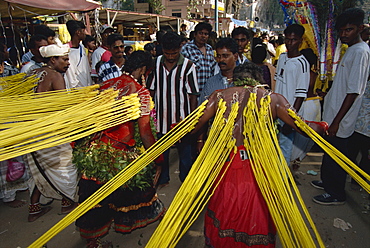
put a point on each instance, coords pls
(179, 73)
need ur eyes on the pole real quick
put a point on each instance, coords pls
(216, 17)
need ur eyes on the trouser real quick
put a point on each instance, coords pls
(359, 143)
(185, 160)
(332, 175)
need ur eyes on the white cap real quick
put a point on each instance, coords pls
(54, 50)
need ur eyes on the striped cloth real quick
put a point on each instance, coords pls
(205, 65)
(109, 70)
(57, 164)
(172, 89)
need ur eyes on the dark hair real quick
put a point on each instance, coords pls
(149, 47)
(183, 38)
(44, 30)
(353, 16)
(36, 38)
(191, 35)
(203, 25)
(88, 39)
(310, 56)
(113, 38)
(183, 25)
(171, 40)
(73, 26)
(2, 47)
(159, 36)
(127, 49)
(296, 29)
(248, 67)
(240, 30)
(2, 57)
(259, 54)
(229, 43)
(137, 60)
(280, 40)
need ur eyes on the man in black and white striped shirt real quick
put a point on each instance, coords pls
(174, 88)
(113, 68)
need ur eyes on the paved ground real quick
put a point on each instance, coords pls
(15, 231)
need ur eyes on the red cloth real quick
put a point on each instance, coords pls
(237, 214)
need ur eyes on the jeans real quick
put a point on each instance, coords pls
(286, 143)
(185, 160)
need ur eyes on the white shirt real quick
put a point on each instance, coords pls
(78, 73)
(292, 77)
(351, 77)
(95, 58)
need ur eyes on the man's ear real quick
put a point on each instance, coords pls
(236, 56)
(361, 27)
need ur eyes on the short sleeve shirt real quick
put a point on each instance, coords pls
(350, 78)
(292, 77)
(205, 64)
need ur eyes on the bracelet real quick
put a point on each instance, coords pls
(200, 141)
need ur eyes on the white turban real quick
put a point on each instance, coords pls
(54, 50)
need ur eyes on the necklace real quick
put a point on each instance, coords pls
(48, 66)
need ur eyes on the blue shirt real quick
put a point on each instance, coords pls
(217, 82)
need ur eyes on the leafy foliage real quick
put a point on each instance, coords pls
(157, 6)
(96, 159)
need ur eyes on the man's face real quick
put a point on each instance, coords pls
(171, 55)
(117, 49)
(81, 34)
(365, 35)
(36, 51)
(201, 36)
(105, 34)
(242, 41)
(292, 42)
(349, 34)
(153, 52)
(226, 59)
(61, 63)
(51, 40)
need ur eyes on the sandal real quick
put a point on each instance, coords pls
(97, 243)
(35, 211)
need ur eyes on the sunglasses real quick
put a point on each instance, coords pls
(121, 46)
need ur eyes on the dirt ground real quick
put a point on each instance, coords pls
(16, 232)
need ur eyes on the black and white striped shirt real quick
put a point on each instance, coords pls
(172, 90)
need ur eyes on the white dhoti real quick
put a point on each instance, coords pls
(57, 165)
(310, 111)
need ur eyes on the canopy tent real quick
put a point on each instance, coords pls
(31, 8)
(129, 18)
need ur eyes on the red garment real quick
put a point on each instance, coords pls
(237, 214)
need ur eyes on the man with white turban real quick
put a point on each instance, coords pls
(53, 174)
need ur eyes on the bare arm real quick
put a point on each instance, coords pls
(346, 105)
(193, 102)
(58, 82)
(145, 130)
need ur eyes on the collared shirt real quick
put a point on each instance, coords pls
(172, 90)
(27, 57)
(9, 70)
(217, 82)
(205, 65)
(109, 70)
(241, 60)
(30, 66)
